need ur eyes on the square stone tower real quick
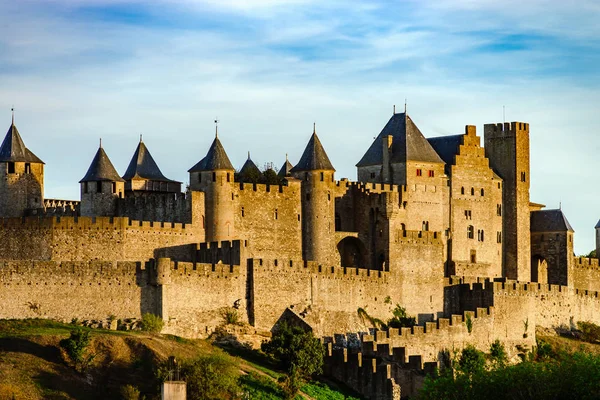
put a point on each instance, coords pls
(507, 148)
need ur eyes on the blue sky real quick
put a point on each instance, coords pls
(78, 70)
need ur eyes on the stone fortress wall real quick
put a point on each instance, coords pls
(310, 249)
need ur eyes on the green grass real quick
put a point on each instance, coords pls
(32, 327)
(322, 391)
(259, 387)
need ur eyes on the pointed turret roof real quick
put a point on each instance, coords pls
(598, 224)
(549, 221)
(13, 149)
(314, 157)
(249, 168)
(408, 144)
(215, 159)
(101, 169)
(286, 168)
(143, 166)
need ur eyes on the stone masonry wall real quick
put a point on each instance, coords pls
(88, 238)
(67, 290)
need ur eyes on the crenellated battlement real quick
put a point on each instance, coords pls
(279, 266)
(585, 262)
(91, 223)
(501, 129)
(265, 188)
(203, 270)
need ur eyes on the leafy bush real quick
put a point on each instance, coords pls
(211, 377)
(130, 392)
(590, 332)
(152, 323)
(543, 351)
(365, 317)
(230, 316)
(299, 353)
(469, 323)
(574, 376)
(471, 360)
(76, 347)
(400, 319)
(498, 353)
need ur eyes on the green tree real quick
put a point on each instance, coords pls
(76, 347)
(270, 177)
(299, 354)
(400, 319)
(211, 377)
(471, 360)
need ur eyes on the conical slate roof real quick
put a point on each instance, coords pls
(249, 168)
(143, 166)
(215, 159)
(408, 144)
(314, 157)
(549, 221)
(598, 224)
(101, 169)
(286, 169)
(13, 149)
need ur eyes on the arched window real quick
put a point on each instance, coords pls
(482, 192)
(472, 192)
(462, 190)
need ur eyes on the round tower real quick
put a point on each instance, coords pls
(213, 175)
(21, 177)
(101, 187)
(318, 204)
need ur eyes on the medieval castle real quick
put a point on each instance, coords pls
(441, 226)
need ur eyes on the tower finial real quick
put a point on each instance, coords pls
(394, 112)
(286, 157)
(405, 105)
(100, 142)
(314, 128)
(12, 110)
(216, 128)
(140, 138)
(248, 154)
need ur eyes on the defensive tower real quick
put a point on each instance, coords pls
(101, 187)
(143, 174)
(21, 176)
(214, 175)
(318, 203)
(507, 147)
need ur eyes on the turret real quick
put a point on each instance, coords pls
(318, 205)
(101, 187)
(21, 176)
(286, 169)
(507, 148)
(598, 240)
(249, 172)
(143, 174)
(213, 175)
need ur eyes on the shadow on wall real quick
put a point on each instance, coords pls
(291, 319)
(183, 253)
(151, 292)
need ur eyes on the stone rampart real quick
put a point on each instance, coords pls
(91, 238)
(586, 273)
(83, 290)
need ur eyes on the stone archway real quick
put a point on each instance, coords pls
(352, 252)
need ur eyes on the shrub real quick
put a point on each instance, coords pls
(469, 323)
(152, 323)
(76, 347)
(214, 376)
(230, 316)
(400, 319)
(299, 353)
(130, 392)
(498, 353)
(471, 360)
(590, 332)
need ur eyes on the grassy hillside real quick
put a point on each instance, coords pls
(33, 365)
